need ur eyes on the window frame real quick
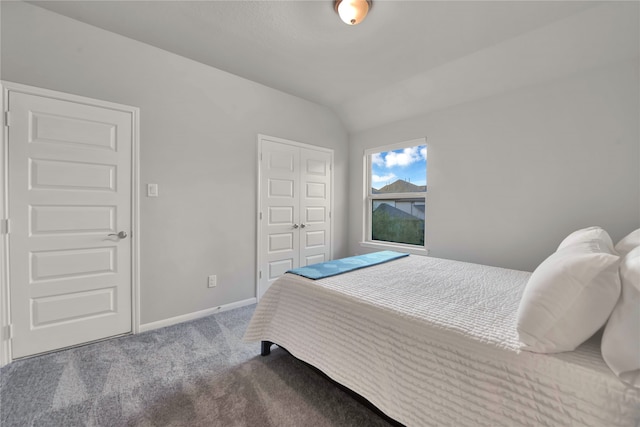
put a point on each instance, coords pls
(369, 198)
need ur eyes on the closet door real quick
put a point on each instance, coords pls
(315, 203)
(279, 210)
(294, 219)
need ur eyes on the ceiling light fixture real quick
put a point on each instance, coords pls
(352, 12)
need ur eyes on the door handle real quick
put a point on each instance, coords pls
(295, 225)
(120, 235)
(303, 225)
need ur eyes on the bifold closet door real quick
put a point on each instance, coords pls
(280, 212)
(295, 217)
(315, 204)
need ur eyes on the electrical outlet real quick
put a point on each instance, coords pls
(213, 281)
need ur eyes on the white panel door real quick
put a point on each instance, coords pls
(315, 203)
(280, 200)
(295, 200)
(69, 197)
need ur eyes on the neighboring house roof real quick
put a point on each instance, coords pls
(394, 213)
(400, 186)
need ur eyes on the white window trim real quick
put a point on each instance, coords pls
(368, 198)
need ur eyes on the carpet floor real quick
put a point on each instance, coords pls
(198, 373)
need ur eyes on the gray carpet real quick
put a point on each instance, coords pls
(198, 373)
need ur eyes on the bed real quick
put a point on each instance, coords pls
(431, 341)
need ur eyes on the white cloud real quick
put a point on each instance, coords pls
(404, 158)
(423, 152)
(377, 159)
(383, 178)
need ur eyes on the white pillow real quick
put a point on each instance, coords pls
(629, 242)
(568, 297)
(621, 338)
(587, 234)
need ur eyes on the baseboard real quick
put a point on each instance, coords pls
(195, 315)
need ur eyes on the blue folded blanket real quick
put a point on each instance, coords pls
(344, 265)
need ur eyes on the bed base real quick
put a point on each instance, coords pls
(265, 348)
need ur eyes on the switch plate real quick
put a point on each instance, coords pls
(213, 281)
(152, 190)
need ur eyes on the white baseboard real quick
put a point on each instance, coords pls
(195, 315)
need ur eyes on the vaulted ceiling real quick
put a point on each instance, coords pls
(407, 58)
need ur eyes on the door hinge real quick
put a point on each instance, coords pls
(260, 156)
(260, 274)
(9, 332)
(4, 226)
(261, 216)
(6, 118)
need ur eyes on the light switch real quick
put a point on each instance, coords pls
(152, 190)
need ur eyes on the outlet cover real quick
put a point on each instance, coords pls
(213, 281)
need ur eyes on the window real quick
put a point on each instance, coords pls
(396, 189)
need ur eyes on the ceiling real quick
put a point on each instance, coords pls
(407, 58)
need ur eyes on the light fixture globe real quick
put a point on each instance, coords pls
(352, 12)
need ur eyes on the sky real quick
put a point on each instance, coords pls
(409, 164)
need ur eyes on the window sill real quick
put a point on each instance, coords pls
(391, 247)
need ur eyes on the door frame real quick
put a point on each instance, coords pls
(260, 139)
(5, 308)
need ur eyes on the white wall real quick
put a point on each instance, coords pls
(199, 129)
(511, 175)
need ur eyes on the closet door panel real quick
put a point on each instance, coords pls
(280, 201)
(295, 209)
(315, 204)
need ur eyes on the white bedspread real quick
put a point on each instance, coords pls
(433, 342)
